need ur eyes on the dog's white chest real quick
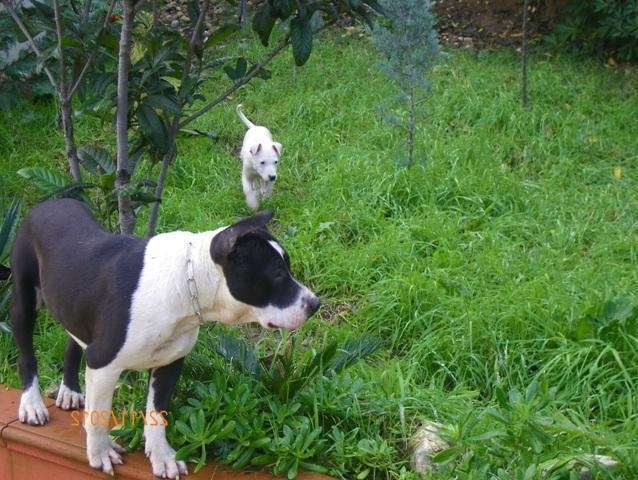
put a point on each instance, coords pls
(163, 326)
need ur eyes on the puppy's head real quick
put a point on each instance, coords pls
(257, 277)
(266, 159)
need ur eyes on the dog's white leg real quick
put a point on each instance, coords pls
(251, 194)
(159, 452)
(32, 409)
(101, 451)
(266, 189)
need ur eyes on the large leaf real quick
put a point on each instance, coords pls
(301, 39)
(96, 160)
(284, 8)
(8, 226)
(46, 180)
(152, 127)
(263, 22)
(163, 102)
(239, 71)
(221, 34)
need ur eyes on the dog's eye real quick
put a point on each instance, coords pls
(262, 162)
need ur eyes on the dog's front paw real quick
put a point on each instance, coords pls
(69, 399)
(164, 463)
(104, 455)
(32, 409)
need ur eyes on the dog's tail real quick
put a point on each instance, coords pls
(243, 118)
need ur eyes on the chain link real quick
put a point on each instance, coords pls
(192, 286)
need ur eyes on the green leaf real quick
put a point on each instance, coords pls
(263, 460)
(284, 8)
(187, 452)
(96, 160)
(239, 72)
(221, 34)
(263, 22)
(448, 455)
(164, 103)
(152, 127)
(48, 181)
(184, 429)
(301, 39)
(9, 224)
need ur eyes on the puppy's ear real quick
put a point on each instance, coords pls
(276, 146)
(224, 241)
(255, 149)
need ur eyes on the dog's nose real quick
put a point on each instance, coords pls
(272, 177)
(313, 305)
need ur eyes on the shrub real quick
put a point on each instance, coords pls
(601, 26)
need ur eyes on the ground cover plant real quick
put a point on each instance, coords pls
(495, 283)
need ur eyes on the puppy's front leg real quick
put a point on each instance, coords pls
(101, 451)
(266, 189)
(250, 192)
(159, 452)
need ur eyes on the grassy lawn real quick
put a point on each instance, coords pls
(499, 273)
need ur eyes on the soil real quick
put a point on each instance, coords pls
(482, 24)
(477, 24)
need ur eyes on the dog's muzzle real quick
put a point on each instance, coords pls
(312, 306)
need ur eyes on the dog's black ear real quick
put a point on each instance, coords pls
(224, 241)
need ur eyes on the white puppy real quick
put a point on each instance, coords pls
(259, 156)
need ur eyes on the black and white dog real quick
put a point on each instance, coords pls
(136, 303)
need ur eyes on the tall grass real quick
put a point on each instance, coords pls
(487, 270)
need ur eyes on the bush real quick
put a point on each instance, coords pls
(601, 26)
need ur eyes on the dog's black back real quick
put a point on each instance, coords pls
(55, 254)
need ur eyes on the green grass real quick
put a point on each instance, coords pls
(485, 269)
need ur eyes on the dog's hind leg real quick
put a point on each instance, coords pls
(160, 453)
(23, 314)
(70, 394)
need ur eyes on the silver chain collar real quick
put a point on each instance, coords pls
(192, 286)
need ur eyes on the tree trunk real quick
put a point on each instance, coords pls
(69, 135)
(524, 55)
(412, 126)
(64, 97)
(123, 176)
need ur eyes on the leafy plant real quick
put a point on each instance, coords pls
(265, 414)
(286, 373)
(601, 26)
(517, 438)
(10, 219)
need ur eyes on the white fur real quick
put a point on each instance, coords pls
(157, 449)
(163, 328)
(260, 158)
(101, 451)
(32, 409)
(68, 399)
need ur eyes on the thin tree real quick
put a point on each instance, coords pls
(409, 45)
(64, 77)
(524, 53)
(123, 175)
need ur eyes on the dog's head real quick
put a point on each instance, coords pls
(266, 160)
(257, 276)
